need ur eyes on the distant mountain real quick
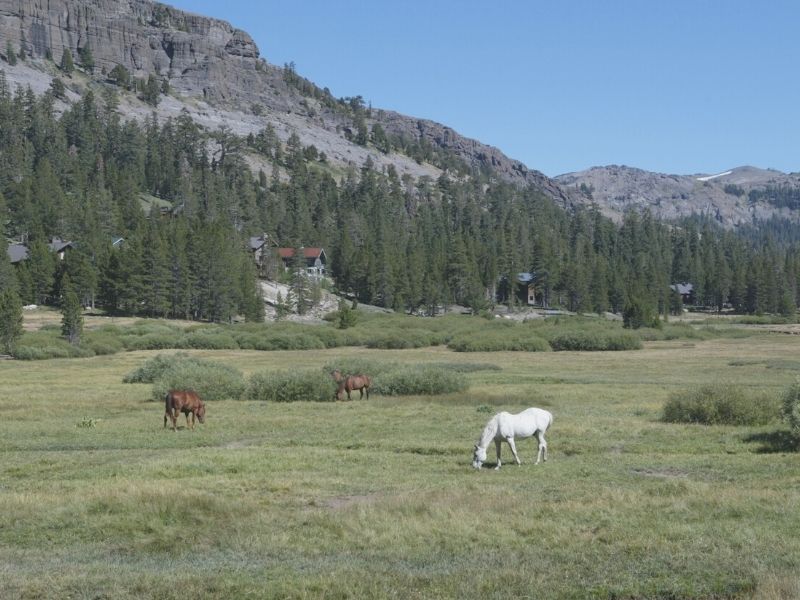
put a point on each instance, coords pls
(732, 197)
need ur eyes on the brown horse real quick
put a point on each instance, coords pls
(354, 382)
(185, 401)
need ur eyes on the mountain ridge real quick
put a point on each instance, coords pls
(733, 197)
(217, 75)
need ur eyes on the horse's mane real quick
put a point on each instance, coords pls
(488, 432)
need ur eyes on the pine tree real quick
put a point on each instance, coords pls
(151, 90)
(300, 287)
(346, 317)
(11, 56)
(42, 269)
(86, 57)
(67, 65)
(72, 317)
(283, 306)
(251, 301)
(10, 319)
(121, 76)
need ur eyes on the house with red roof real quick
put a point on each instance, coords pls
(315, 260)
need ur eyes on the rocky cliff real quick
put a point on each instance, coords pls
(198, 55)
(214, 70)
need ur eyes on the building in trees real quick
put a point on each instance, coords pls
(261, 247)
(19, 252)
(686, 291)
(315, 260)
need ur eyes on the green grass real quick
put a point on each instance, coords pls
(376, 499)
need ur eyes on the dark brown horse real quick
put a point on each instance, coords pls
(354, 382)
(187, 402)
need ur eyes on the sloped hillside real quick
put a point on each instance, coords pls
(215, 72)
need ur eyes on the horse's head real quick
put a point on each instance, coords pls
(478, 456)
(337, 375)
(201, 413)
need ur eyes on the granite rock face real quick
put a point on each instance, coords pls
(206, 59)
(200, 56)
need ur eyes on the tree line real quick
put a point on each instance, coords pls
(411, 245)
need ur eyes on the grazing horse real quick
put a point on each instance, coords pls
(505, 427)
(185, 401)
(354, 382)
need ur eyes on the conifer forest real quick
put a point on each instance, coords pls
(184, 201)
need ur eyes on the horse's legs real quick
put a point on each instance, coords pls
(187, 420)
(542, 447)
(174, 417)
(497, 449)
(513, 447)
(367, 388)
(361, 392)
(165, 419)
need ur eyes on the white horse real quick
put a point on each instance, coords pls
(505, 427)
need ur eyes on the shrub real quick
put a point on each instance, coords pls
(720, 405)
(358, 366)
(42, 345)
(403, 339)
(291, 386)
(41, 352)
(101, 346)
(595, 340)
(790, 407)
(418, 381)
(211, 380)
(152, 341)
(209, 339)
(497, 341)
(155, 367)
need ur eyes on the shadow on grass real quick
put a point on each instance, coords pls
(775, 441)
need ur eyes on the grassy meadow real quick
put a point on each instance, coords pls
(377, 498)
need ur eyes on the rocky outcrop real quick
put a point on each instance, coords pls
(206, 59)
(199, 56)
(474, 153)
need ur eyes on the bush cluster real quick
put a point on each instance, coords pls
(419, 381)
(521, 340)
(595, 340)
(153, 368)
(212, 380)
(390, 331)
(720, 404)
(291, 386)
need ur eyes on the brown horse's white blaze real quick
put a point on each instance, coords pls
(185, 401)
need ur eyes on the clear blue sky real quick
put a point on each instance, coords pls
(673, 86)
